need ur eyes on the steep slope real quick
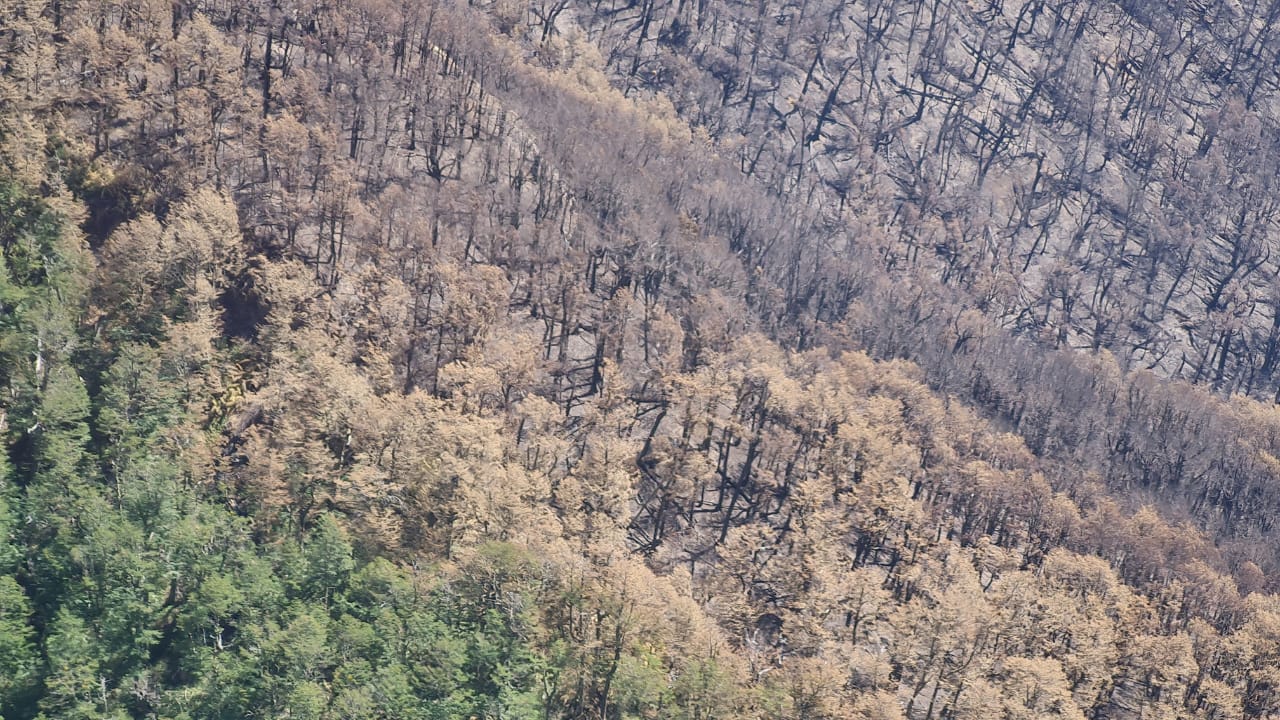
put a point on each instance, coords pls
(478, 332)
(1093, 174)
(1090, 176)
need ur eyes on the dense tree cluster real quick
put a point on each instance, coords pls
(412, 359)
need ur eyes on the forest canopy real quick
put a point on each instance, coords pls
(789, 360)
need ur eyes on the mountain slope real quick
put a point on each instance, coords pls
(428, 338)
